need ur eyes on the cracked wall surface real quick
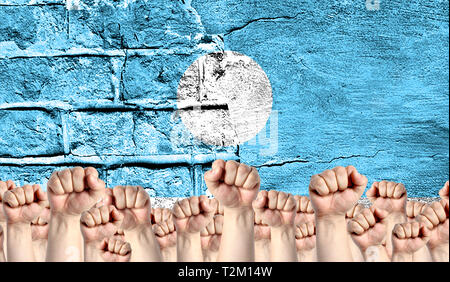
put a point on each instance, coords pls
(96, 84)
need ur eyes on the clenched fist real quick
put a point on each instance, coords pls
(305, 211)
(368, 228)
(99, 223)
(335, 191)
(211, 234)
(233, 184)
(193, 214)
(134, 204)
(414, 209)
(114, 250)
(435, 218)
(4, 186)
(262, 231)
(387, 195)
(40, 226)
(164, 228)
(275, 208)
(73, 191)
(408, 238)
(160, 215)
(305, 236)
(24, 204)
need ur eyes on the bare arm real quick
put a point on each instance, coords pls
(235, 193)
(70, 192)
(237, 238)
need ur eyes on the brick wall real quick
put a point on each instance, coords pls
(94, 83)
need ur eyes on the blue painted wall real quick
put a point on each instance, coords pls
(95, 84)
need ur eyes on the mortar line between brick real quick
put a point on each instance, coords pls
(64, 118)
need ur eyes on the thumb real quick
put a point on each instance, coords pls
(260, 201)
(212, 178)
(380, 214)
(357, 180)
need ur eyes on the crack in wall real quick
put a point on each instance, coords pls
(261, 19)
(352, 156)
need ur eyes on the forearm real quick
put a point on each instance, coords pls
(189, 247)
(440, 253)
(282, 244)
(307, 255)
(422, 255)
(20, 245)
(357, 253)
(332, 239)
(169, 254)
(3, 246)
(401, 257)
(393, 219)
(376, 254)
(238, 235)
(2, 256)
(262, 250)
(40, 250)
(209, 256)
(144, 246)
(64, 239)
(91, 252)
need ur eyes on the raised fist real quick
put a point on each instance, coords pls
(160, 215)
(73, 191)
(305, 236)
(99, 223)
(233, 184)
(435, 218)
(164, 228)
(114, 250)
(134, 204)
(409, 237)
(305, 211)
(387, 195)
(368, 228)
(335, 191)
(211, 234)
(262, 231)
(443, 193)
(414, 209)
(40, 225)
(24, 204)
(275, 208)
(4, 186)
(193, 214)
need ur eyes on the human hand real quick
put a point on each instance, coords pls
(414, 209)
(99, 223)
(389, 196)
(193, 214)
(4, 186)
(305, 211)
(133, 202)
(275, 208)
(334, 192)
(114, 250)
(408, 238)
(233, 184)
(368, 228)
(435, 218)
(24, 204)
(212, 233)
(305, 236)
(73, 191)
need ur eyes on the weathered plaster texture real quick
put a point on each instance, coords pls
(96, 84)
